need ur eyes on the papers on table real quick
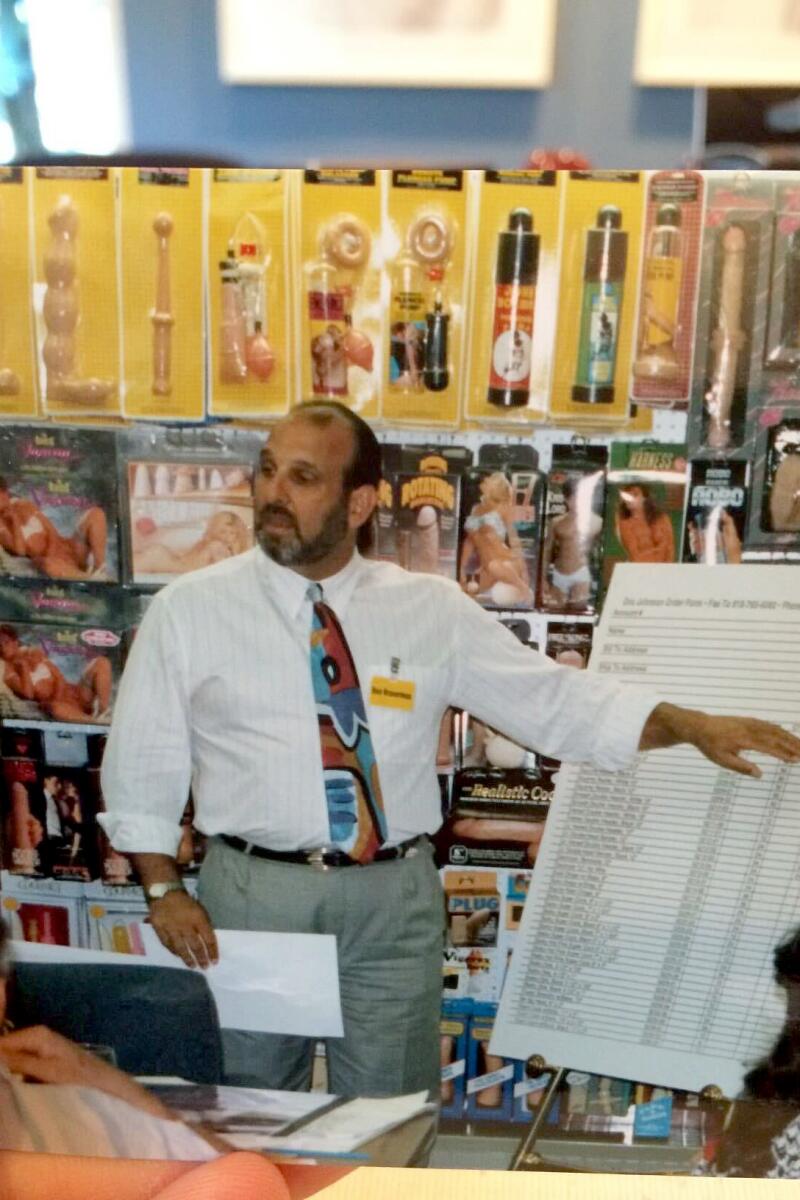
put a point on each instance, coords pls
(264, 982)
(661, 892)
(293, 1123)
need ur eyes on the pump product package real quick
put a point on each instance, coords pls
(731, 314)
(596, 307)
(501, 527)
(513, 296)
(645, 493)
(58, 505)
(187, 499)
(250, 292)
(161, 262)
(75, 290)
(662, 360)
(426, 241)
(716, 511)
(338, 297)
(18, 396)
(572, 550)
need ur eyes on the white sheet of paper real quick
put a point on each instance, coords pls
(660, 893)
(264, 982)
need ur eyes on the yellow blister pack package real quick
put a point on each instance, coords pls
(17, 362)
(600, 251)
(75, 300)
(426, 241)
(161, 245)
(513, 297)
(337, 234)
(250, 289)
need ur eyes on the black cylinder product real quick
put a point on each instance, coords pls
(514, 299)
(436, 375)
(603, 280)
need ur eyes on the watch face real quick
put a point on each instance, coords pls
(157, 890)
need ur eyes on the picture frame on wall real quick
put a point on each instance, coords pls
(394, 43)
(717, 43)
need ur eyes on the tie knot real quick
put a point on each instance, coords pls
(314, 592)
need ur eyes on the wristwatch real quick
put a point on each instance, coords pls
(156, 891)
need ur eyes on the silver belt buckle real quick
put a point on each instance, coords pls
(316, 859)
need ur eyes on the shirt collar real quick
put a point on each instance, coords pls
(290, 589)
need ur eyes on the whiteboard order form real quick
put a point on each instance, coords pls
(660, 892)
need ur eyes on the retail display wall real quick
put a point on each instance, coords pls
(565, 370)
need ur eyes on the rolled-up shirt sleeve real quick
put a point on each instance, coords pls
(561, 712)
(147, 765)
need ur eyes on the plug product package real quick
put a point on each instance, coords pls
(571, 555)
(473, 907)
(426, 242)
(596, 306)
(501, 527)
(338, 301)
(513, 297)
(662, 361)
(161, 262)
(18, 396)
(250, 290)
(75, 298)
(58, 508)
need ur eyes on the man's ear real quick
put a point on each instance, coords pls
(362, 505)
(3, 988)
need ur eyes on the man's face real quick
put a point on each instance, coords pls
(301, 511)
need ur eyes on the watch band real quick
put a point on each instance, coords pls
(156, 891)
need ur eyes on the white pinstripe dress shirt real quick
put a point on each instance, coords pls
(217, 691)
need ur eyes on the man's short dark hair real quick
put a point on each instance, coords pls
(365, 467)
(9, 631)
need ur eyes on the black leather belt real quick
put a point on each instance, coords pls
(323, 858)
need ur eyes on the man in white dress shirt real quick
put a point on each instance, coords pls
(218, 691)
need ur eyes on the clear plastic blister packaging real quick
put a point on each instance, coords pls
(339, 256)
(662, 360)
(513, 298)
(732, 314)
(426, 241)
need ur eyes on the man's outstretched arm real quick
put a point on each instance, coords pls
(721, 739)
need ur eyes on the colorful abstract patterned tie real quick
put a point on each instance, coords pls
(352, 788)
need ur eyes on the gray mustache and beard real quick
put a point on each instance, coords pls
(289, 549)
